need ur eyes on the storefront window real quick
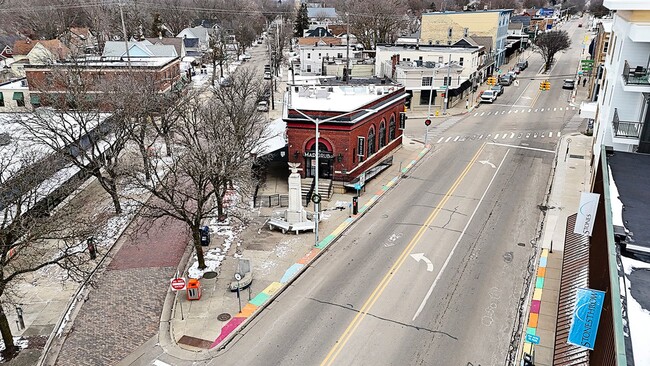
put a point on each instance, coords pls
(391, 128)
(371, 141)
(382, 134)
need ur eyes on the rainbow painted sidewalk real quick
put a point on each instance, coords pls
(536, 302)
(265, 297)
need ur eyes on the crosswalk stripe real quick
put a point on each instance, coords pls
(536, 110)
(529, 110)
(509, 112)
(456, 139)
(560, 108)
(527, 135)
(541, 110)
(448, 138)
(504, 112)
(512, 135)
(482, 114)
(520, 134)
(480, 137)
(516, 110)
(554, 109)
(543, 133)
(496, 136)
(574, 108)
(535, 135)
(442, 138)
(488, 113)
(504, 136)
(475, 114)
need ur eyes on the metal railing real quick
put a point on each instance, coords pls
(630, 129)
(638, 75)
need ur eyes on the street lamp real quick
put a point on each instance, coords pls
(317, 122)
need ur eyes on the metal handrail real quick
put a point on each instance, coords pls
(630, 129)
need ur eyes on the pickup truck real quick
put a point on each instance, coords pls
(488, 96)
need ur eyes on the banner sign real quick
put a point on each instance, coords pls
(585, 318)
(586, 213)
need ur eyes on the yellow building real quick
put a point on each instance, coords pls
(445, 28)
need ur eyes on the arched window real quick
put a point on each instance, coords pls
(371, 141)
(382, 134)
(391, 128)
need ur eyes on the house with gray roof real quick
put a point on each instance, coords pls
(138, 49)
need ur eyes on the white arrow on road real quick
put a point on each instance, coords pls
(488, 163)
(526, 97)
(420, 256)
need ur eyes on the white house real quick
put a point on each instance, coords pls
(138, 49)
(14, 96)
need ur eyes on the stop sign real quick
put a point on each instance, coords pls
(427, 122)
(178, 283)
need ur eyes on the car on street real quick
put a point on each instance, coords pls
(568, 84)
(267, 75)
(488, 96)
(498, 88)
(263, 106)
(512, 74)
(506, 80)
(245, 57)
(225, 81)
(516, 70)
(522, 65)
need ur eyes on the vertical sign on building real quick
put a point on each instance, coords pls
(586, 213)
(586, 316)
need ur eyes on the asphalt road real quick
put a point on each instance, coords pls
(434, 274)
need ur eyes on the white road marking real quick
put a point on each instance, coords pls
(448, 138)
(439, 141)
(505, 135)
(456, 139)
(475, 114)
(535, 135)
(522, 147)
(420, 257)
(541, 110)
(516, 110)
(484, 162)
(480, 137)
(504, 112)
(536, 110)
(554, 109)
(496, 136)
(160, 363)
(509, 111)
(488, 113)
(512, 135)
(543, 134)
(529, 110)
(560, 108)
(424, 301)
(574, 108)
(520, 135)
(527, 135)
(482, 114)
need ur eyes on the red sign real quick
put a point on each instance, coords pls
(427, 122)
(178, 283)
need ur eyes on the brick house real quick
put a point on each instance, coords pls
(365, 128)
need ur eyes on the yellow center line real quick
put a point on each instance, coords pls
(351, 328)
(532, 105)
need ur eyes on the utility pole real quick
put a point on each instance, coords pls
(426, 133)
(126, 40)
(347, 55)
(444, 102)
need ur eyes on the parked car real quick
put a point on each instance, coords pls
(568, 84)
(498, 88)
(225, 81)
(522, 65)
(245, 57)
(267, 75)
(516, 70)
(506, 80)
(263, 106)
(488, 96)
(512, 74)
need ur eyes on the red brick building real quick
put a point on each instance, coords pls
(47, 80)
(364, 126)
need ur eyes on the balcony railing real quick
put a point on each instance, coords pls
(630, 129)
(637, 75)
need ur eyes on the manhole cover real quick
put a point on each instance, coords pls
(223, 317)
(507, 257)
(210, 275)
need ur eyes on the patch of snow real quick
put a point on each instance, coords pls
(19, 342)
(615, 202)
(324, 215)
(214, 257)
(639, 318)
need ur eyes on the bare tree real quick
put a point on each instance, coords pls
(216, 139)
(549, 43)
(75, 127)
(597, 9)
(218, 53)
(376, 22)
(32, 236)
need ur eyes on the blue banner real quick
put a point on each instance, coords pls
(586, 316)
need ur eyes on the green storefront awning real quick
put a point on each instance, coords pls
(19, 96)
(2, 96)
(35, 99)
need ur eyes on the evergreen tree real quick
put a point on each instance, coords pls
(156, 26)
(302, 21)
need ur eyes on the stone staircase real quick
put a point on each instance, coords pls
(325, 188)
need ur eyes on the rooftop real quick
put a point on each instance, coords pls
(336, 96)
(470, 12)
(627, 4)
(112, 62)
(15, 84)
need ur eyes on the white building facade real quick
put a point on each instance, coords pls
(623, 120)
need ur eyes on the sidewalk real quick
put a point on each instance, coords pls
(196, 332)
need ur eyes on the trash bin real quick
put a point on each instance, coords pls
(205, 236)
(193, 289)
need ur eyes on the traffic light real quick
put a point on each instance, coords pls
(527, 360)
(545, 85)
(548, 85)
(402, 120)
(492, 80)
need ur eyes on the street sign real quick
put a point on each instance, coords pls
(531, 338)
(178, 284)
(427, 122)
(316, 198)
(238, 276)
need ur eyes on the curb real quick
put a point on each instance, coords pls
(258, 303)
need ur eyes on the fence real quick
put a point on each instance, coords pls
(272, 200)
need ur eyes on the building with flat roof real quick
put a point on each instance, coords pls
(439, 28)
(363, 125)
